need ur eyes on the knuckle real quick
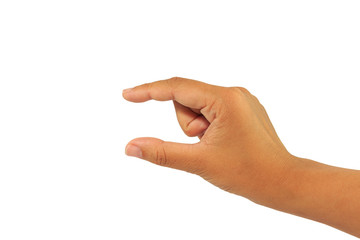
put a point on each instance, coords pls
(244, 90)
(241, 90)
(149, 87)
(232, 93)
(174, 80)
(161, 157)
(255, 98)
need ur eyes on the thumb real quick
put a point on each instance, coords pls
(168, 154)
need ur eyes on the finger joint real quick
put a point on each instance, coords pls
(161, 157)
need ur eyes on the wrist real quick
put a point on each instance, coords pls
(279, 187)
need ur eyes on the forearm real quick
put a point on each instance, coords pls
(323, 193)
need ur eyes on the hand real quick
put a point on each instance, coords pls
(239, 150)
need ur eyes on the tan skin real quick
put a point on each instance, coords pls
(240, 152)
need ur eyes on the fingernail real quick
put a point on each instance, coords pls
(127, 90)
(133, 151)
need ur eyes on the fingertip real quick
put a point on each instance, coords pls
(133, 151)
(197, 126)
(125, 92)
(136, 95)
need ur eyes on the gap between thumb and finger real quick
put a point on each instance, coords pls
(180, 156)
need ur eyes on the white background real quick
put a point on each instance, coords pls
(64, 125)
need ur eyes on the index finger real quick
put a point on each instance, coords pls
(190, 93)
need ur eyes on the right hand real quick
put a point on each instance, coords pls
(239, 150)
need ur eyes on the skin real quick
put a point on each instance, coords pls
(240, 152)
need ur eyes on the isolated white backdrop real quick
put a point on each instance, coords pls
(64, 124)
